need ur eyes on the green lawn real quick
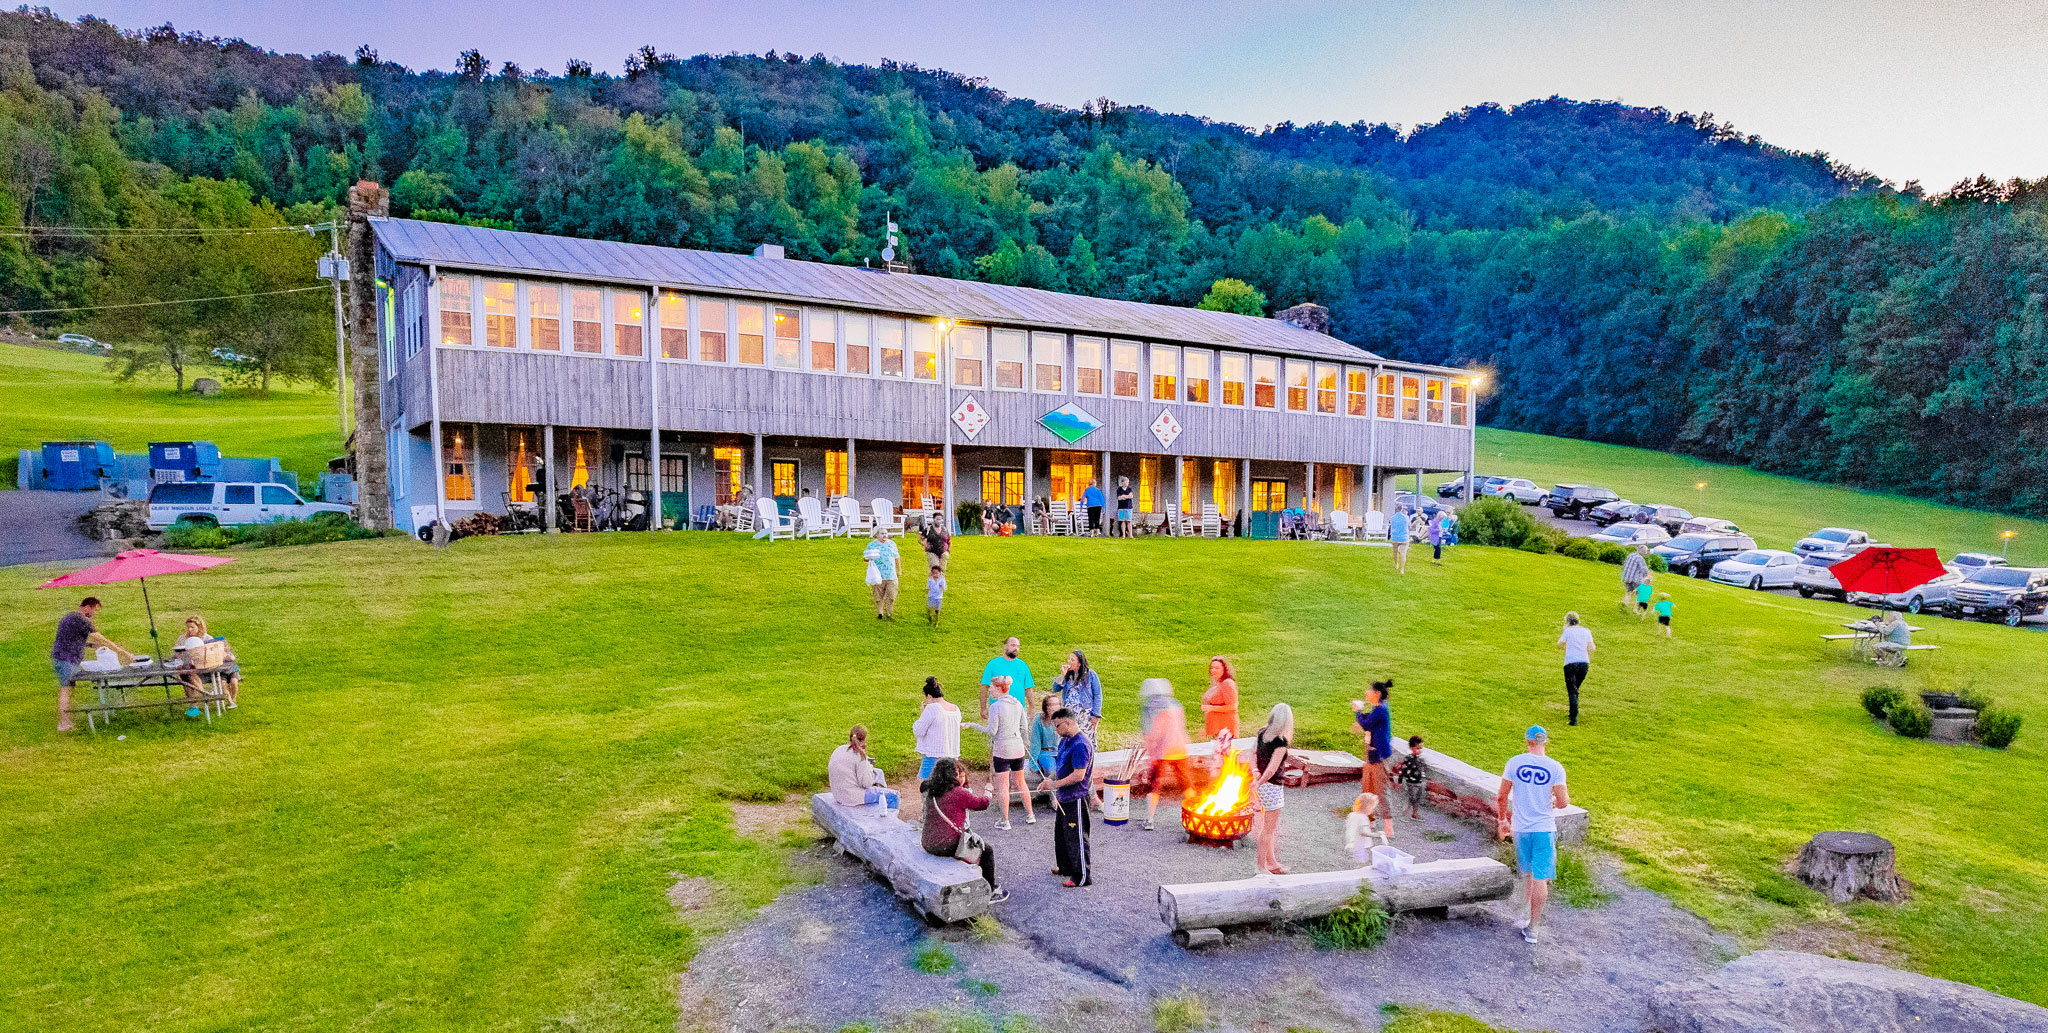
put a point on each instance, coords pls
(1776, 510)
(462, 781)
(50, 395)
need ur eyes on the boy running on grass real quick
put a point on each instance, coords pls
(1664, 612)
(1643, 600)
(934, 595)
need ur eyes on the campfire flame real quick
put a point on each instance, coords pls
(1232, 788)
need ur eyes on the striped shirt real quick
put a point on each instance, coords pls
(1635, 571)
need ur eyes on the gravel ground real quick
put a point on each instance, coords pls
(42, 526)
(1096, 958)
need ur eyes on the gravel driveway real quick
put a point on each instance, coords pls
(1096, 958)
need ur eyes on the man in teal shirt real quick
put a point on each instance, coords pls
(1018, 670)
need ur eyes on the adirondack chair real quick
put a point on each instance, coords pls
(704, 517)
(1212, 524)
(770, 523)
(1061, 520)
(1375, 526)
(1340, 526)
(812, 516)
(1312, 525)
(851, 520)
(886, 517)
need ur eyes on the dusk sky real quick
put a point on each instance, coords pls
(1930, 91)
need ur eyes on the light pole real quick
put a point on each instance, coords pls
(1701, 506)
(334, 268)
(2004, 542)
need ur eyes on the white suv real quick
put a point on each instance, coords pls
(1521, 489)
(229, 502)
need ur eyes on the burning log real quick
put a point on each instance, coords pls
(1223, 814)
(1292, 898)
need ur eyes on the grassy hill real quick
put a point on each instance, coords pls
(461, 781)
(50, 395)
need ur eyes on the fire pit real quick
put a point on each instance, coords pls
(1223, 815)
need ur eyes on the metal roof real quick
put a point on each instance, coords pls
(512, 252)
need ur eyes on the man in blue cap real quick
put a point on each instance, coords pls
(1531, 792)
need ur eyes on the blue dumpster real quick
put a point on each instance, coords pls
(184, 461)
(76, 465)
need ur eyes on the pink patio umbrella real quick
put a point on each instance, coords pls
(138, 565)
(1884, 570)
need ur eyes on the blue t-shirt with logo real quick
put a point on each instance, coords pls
(1529, 778)
(1398, 530)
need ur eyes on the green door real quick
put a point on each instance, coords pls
(1269, 499)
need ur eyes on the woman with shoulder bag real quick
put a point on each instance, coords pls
(946, 803)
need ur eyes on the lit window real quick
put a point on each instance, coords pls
(629, 320)
(1002, 487)
(782, 475)
(924, 351)
(501, 321)
(726, 464)
(544, 317)
(1433, 393)
(586, 321)
(522, 463)
(710, 330)
(585, 447)
(753, 340)
(1088, 365)
(1190, 484)
(1269, 496)
(970, 344)
(1386, 396)
(1007, 353)
(1326, 389)
(1124, 361)
(1048, 362)
(1148, 479)
(674, 315)
(456, 330)
(824, 341)
(1297, 385)
(859, 352)
(1340, 489)
(889, 346)
(1461, 394)
(1233, 378)
(835, 473)
(1411, 398)
(788, 339)
(1165, 375)
(458, 443)
(1357, 392)
(1265, 381)
(922, 476)
(1223, 486)
(1197, 375)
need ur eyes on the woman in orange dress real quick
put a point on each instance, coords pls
(1219, 704)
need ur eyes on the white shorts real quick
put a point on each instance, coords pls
(1272, 796)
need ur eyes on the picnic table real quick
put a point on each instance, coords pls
(130, 688)
(1864, 636)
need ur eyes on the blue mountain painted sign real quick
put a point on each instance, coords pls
(1070, 422)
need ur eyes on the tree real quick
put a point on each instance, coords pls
(1227, 295)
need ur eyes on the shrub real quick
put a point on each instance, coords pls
(1537, 544)
(1974, 699)
(1912, 720)
(188, 535)
(1615, 554)
(1557, 536)
(969, 513)
(1658, 565)
(933, 958)
(1361, 924)
(1180, 1013)
(1879, 699)
(1497, 522)
(1997, 728)
(1582, 549)
(305, 532)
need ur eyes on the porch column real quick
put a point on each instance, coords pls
(945, 513)
(1180, 486)
(760, 471)
(1108, 496)
(1025, 524)
(547, 448)
(852, 484)
(1244, 499)
(654, 413)
(1373, 499)
(1309, 503)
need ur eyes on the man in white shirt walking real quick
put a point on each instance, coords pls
(1577, 643)
(1531, 792)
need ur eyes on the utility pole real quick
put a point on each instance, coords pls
(334, 269)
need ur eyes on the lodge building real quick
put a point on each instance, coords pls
(504, 356)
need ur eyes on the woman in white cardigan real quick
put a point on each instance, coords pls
(937, 729)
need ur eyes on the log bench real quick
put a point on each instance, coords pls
(941, 889)
(1197, 912)
(1464, 791)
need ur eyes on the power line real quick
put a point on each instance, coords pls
(147, 304)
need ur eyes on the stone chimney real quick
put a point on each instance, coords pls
(1307, 315)
(373, 491)
(769, 251)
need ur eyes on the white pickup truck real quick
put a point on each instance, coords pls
(230, 502)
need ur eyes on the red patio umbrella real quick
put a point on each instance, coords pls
(138, 565)
(1883, 570)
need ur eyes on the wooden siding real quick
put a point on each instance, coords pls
(525, 388)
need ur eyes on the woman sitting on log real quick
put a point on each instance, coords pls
(946, 803)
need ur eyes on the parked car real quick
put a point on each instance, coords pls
(1408, 500)
(1610, 512)
(1633, 534)
(1756, 568)
(2009, 594)
(1671, 518)
(1456, 489)
(1697, 553)
(1972, 562)
(230, 356)
(1813, 576)
(1708, 525)
(228, 502)
(1573, 501)
(1932, 596)
(1832, 539)
(85, 343)
(1520, 489)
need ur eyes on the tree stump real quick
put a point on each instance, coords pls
(1847, 865)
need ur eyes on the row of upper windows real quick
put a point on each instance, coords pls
(592, 321)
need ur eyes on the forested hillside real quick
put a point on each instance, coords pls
(1633, 275)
